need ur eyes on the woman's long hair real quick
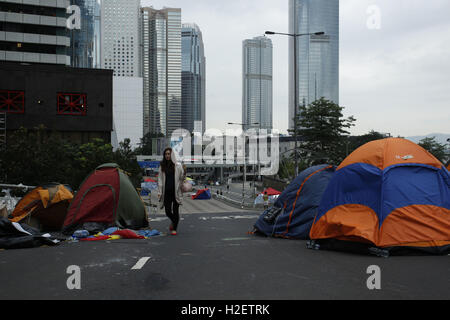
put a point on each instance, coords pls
(167, 165)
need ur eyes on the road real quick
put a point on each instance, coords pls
(214, 257)
(212, 206)
(234, 194)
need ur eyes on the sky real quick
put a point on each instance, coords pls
(394, 60)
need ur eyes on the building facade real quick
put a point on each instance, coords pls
(161, 38)
(127, 110)
(257, 87)
(75, 103)
(85, 41)
(317, 55)
(193, 74)
(34, 31)
(120, 37)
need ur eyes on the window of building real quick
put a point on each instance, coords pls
(12, 101)
(74, 104)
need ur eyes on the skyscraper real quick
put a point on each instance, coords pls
(128, 110)
(121, 52)
(193, 77)
(317, 55)
(120, 45)
(85, 42)
(257, 88)
(33, 31)
(161, 40)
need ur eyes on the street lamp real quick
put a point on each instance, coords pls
(295, 35)
(448, 151)
(244, 179)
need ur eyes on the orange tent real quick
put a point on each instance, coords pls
(45, 204)
(389, 194)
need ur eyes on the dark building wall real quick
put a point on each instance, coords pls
(44, 82)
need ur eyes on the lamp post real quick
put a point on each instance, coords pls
(295, 36)
(448, 151)
(245, 168)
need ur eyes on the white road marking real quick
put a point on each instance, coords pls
(140, 263)
(229, 217)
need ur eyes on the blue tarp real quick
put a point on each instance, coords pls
(149, 164)
(298, 212)
(149, 186)
(202, 195)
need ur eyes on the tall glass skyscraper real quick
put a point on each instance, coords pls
(121, 52)
(161, 40)
(317, 56)
(257, 88)
(85, 42)
(193, 77)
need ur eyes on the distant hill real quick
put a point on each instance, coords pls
(440, 137)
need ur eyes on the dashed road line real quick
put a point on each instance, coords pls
(140, 263)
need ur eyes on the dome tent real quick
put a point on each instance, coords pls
(388, 197)
(297, 205)
(44, 207)
(106, 197)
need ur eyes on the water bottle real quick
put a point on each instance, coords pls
(80, 234)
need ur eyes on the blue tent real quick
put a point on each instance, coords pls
(202, 195)
(293, 213)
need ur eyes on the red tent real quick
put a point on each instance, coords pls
(106, 197)
(271, 192)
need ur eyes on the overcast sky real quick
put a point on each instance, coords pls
(395, 79)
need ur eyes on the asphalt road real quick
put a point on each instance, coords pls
(212, 258)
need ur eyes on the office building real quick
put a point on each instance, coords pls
(120, 37)
(257, 88)
(34, 31)
(161, 39)
(317, 55)
(75, 103)
(85, 40)
(193, 78)
(127, 110)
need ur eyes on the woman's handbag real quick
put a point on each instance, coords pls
(186, 186)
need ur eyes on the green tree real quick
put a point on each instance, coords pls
(38, 156)
(323, 129)
(287, 167)
(126, 158)
(354, 142)
(146, 145)
(89, 156)
(435, 148)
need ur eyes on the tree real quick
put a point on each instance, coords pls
(126, 158)
(354, 142)
(435, 148)
(38, 156)
(322, 127)
(146, 145)
(287, 168)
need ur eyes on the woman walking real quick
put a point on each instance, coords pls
(170, 179)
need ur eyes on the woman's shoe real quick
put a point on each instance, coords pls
(173, 233)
